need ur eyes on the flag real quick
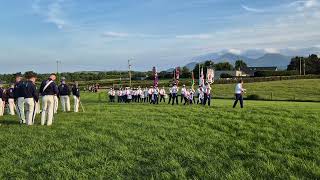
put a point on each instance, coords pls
(192, 82)
(177, 75)
(201, 78)
(156, 78)
(210, 76)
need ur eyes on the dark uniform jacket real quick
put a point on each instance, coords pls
(64, 90)
(31, 91)
(76, 91)
(50, 90)
(19, 90)
(2, 94)
(10, 93)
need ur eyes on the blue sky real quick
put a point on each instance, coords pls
(104, 34)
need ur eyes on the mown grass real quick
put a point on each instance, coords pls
(301, 90)
(139, 141)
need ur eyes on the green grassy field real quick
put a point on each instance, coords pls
(116, 141)
(301, 90)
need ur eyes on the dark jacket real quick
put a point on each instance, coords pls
(52, 89)
(1, 94)
(19, 89)
(76, 91)
(31, 91)
(10, 93)
(64, 90)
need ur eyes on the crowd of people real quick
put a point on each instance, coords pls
(23, 98)
(154, 95)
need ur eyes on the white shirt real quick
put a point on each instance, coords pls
(162, 92)
(239, 89)
(183, 90)
(175, 89)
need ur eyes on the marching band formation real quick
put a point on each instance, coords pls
(23, 97)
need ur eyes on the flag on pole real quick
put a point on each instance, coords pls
(210, 76)
(156, 78)
(202, 78)
(193, 82)
(177, 74)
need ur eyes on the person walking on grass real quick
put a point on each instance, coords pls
(239, 91)
(31, 97)
(175, 90)
(162, 94)
(76, 96)
(18, 92)
(48, 90)
(64, 93)
(207, 95)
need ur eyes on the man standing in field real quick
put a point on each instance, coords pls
(10, 100)
(183, 93)
(64, 93)
(112, 95)
(76, 96)
(175, 90)
(31, 98)
(207, 95)
(19, 97)
(239, 90)
(48, 90)
(162, 94)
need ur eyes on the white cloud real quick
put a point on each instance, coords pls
(115, 34)
(271, 50)
(251, 9)
(52, 12)
(303, 5)
(194, 36)
(235, 51)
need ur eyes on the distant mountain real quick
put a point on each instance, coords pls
(271, 60)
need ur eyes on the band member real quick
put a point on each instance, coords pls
(76, 96)
(112, 95)
(150, 93)
(155, 98)
(201, 95)
(119, 94)
(207, 94)
(170, 94)
(239, 90)
(2, 102)
(146, 95)
(48, 90)
(10, 98)
(186, 97)
(191, 96)
(64, 94)
(162, 94)
(19, 90)
(175, 90)
(56, 101)
(31, 98)
(139, 94)
(183, 92)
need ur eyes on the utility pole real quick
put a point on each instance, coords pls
(300, 67)
(304, 67)
(58, 63)
(130, 77)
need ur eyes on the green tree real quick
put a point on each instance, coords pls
(240, 65)
(185, 72)
(223, 66)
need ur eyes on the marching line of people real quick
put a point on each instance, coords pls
(154, 95)
(23, 97)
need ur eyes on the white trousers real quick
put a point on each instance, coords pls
(11, 107)
(38, 111)
(1, 107)
(30, 111)
(56, 104)
(76, 103)
(65, 103)
(47, 110)
(20, 109)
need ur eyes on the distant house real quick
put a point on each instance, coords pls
(235, 73)
(252, 70)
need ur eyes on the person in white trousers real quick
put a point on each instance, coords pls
(64, 93)
(48, 90)
(55, 104)
(31, 98)
(76, 96)
(11, 104)
(19, 94)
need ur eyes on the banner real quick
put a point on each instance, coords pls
(156, 78)
(210, 76)
(201, 78)
(192, 82)
(177, 75)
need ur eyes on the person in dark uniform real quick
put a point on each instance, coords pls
(64, 93)
(76, 96)
(48, 90)
(19, 90)
(31, 97)
(10, 99)
(2, 102)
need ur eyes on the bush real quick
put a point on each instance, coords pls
(254, 97)
(225, 75)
